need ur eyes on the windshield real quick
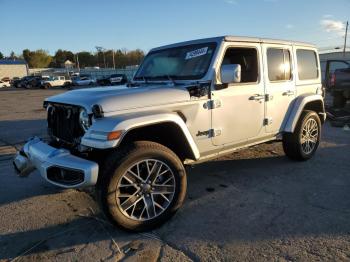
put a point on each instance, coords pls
(184, 62)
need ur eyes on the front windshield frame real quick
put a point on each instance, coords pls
(211, 45)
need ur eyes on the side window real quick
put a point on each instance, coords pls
(307, 64)
(279, 64)
(247, 58)
(337, 65)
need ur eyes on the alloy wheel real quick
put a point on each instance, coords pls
(146, 190)
(309, 136)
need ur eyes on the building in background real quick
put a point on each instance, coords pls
(13, 68)
(68, 64)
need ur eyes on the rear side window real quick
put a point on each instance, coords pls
(307, 64)
(279, 64)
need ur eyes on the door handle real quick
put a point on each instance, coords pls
(257, 97)
(288, 93)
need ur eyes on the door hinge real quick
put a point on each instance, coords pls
(212, 104)
(268, 97)
(214, 132)
(267, 121)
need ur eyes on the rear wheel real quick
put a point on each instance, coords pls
(303, 142)
(143, 186)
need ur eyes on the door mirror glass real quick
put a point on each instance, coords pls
(230, 73)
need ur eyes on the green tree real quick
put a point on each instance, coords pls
(62, 56)
(37, 59)
(13, 55)
(86, 59)
(1, 56)
(26, 55)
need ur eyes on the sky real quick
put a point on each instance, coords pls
(80, 25)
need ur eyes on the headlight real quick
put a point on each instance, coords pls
(84, 120)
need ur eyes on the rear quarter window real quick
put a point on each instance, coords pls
(307, 64)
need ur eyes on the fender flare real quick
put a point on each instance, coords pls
(298, 107)
(127, 123)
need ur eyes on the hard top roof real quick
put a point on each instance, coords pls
(237, 39)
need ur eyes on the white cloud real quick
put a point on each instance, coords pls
(327, 16)
(289, 26)
(335, 26)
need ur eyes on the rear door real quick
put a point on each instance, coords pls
(279, 84)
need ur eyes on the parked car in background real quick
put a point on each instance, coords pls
(83, 80)
(14, 81)
(55, 81)
(33, 81)
(20, 82)
(5, 83)
(337, 81)
(115, 79)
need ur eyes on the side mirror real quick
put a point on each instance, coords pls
(230, 73)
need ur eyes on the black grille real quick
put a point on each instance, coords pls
(63, 123)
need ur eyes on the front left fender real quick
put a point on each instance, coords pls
(96, 136)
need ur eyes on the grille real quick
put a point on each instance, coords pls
(63, 123)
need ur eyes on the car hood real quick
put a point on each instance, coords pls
(116, 98)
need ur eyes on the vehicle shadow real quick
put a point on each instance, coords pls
(229, 200)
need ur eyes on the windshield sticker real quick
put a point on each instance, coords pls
(196, 53)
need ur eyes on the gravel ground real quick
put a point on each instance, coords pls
(253, 205)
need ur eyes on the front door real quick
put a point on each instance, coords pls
(238, 112)
(280, 85)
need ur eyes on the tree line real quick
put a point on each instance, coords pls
(41, 58)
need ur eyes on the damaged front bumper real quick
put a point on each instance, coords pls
(57, 166)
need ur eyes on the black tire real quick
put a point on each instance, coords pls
(339, 100)
(116, 166)
(46, 86)
(292, 144)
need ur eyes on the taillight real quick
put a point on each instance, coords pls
(332, 83)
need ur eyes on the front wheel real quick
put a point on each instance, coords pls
(143, 186)
(303, 142)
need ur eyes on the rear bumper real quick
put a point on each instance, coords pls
(57, 166)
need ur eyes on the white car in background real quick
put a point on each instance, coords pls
(4, 83)
(55, 81)
(84, 80)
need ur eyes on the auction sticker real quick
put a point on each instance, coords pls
(196, 53)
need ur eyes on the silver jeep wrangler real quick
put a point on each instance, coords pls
(188, 103)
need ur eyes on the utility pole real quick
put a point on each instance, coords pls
(113, 58)
(346, 36)
(101, 49)
(77, 58)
